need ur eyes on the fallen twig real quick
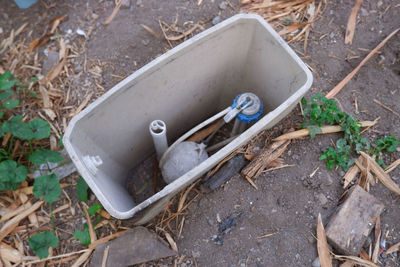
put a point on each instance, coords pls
(386, 107)
(340, 85)
(324, 130)
(351, 24)
(113, 13)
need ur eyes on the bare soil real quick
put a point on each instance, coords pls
(288, 201)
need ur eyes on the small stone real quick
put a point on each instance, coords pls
(95, 16)
(328, 180)
(223, 5)
(331, 35)
(78, 68)
(139, 2)
(216, 20)
(145, 42)
(1, 30)
(322, 199)
(196, 254)
(316, 263)
(364, 12)
(50, 61)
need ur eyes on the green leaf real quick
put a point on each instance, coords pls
(41, 128)
(6, 85)
(41, 242)
(82, 190)
(47, 185)
(10, 171)
(5, 95)
(19, 129)
(314, 130)
(42, 156)
(83, 236)
(94, 208)
(10, 104)
(5, 76)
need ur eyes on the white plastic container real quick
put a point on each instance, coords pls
(183, 87)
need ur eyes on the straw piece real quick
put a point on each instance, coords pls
(340, 85)
(351, 24)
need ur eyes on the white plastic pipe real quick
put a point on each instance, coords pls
(158, 131)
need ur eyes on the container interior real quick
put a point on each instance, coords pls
(184, 89)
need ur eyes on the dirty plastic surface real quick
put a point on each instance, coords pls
(183, 87)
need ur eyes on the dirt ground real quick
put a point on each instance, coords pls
(288, 201)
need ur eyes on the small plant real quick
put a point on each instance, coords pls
(14, 170)
(82, 193)
(322, 111)
(386, 144)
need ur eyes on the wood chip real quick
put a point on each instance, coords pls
(9, 226)
(81, 106)
(171, 241)
(55, 22)
(375, 254)
(350, 175)
(340, 85)
(9, 253)
(351, 23)
(322, 245)
(54, 71)
(394, 248)
(203, 133)
(266, 156)
(392, 166)
(356, 260)
(324, 130)
(381, 174)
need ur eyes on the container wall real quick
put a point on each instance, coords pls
(182, 89)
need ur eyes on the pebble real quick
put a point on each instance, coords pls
(145, 42)
(322, 199)
(316, 263)
(78, 68)
(223, 5)
(1, 30)
(196, 254)
(216, 20)
(364, 12)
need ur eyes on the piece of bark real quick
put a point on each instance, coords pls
(266, 156)
(350, 226)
